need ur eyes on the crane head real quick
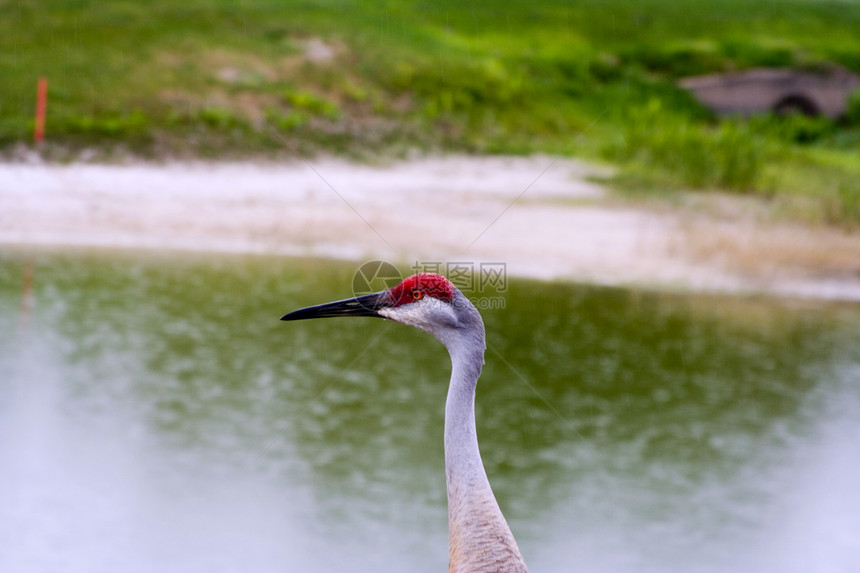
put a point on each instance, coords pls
(424, 300)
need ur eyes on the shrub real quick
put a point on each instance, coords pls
(842, 206)
(726, 157)
(220, 118)
(461, 87)
(286, 121)
(307, 102)
(852, 112)
(678, 60)
(104, 125)
(794, 128)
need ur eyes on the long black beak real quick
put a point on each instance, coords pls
(366, 305)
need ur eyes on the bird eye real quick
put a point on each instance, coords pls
(417, 295)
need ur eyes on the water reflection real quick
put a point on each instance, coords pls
(156, 415)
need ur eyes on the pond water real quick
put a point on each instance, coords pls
(155, 415)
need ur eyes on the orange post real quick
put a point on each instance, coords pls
(41, 105)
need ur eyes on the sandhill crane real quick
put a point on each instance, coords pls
(479, 539)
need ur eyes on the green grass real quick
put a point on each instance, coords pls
(596, 79)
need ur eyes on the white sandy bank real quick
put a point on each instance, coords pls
(538, 215)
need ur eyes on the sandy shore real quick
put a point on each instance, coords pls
(538, 215)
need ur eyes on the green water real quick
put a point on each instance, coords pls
(155, 415)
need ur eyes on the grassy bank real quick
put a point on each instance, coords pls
(595, 79)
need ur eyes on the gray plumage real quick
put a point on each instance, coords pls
(480, 540)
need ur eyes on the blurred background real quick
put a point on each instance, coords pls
(195, 161)
(596, 79)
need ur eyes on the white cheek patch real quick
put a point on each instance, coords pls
(411, 313)
(427, 314)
